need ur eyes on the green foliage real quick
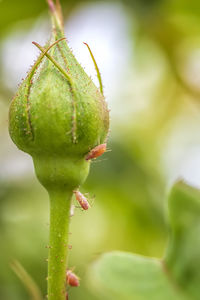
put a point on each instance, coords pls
(183, 254)
(26, 279)
(132, 277)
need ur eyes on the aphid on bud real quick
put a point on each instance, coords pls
(96, 151)
(72, 279)
(82, 200)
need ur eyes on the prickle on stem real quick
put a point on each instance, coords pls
(96, 152)
(82, 200)
(72, 279)
(71, 213)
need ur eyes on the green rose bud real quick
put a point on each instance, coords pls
(58, 115)
(61, 119)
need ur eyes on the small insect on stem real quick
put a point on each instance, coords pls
(72, 279)
(82, 200)
(96, 151)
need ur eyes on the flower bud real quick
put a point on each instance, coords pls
(58, 115)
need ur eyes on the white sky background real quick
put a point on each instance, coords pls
(112, 48)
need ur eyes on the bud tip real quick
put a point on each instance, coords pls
(51, 6)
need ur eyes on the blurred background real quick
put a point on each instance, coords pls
(148, 52)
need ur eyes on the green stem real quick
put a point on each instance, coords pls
(60, 202)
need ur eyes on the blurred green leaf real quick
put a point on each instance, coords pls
(126, 276)
(132, 277)
(183, 254)
(27, 280)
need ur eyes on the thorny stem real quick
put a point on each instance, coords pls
(60, 202)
